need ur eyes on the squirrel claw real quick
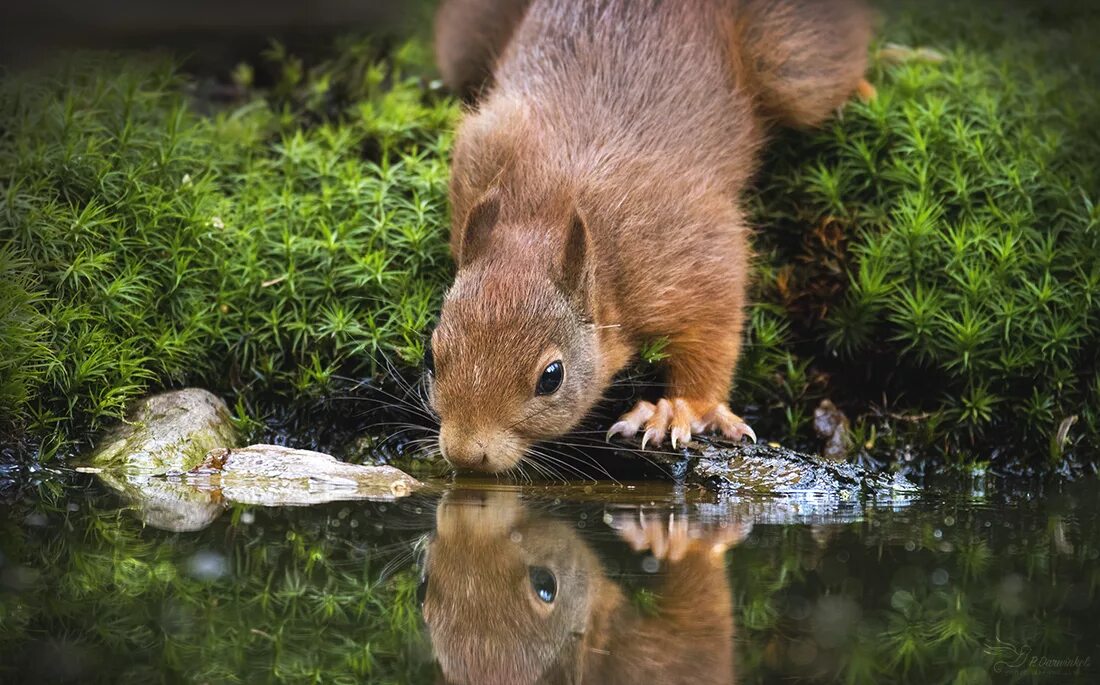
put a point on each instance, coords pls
(677, 419)
(732, 426)
(632, 421)
(680, 435)
(623, 428)
(653, 435)
(657, 425)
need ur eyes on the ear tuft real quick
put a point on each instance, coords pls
(576, 265)
(478, 227)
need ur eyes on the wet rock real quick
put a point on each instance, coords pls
(175, 459)
(260, 475)
(769, 469)
(761, 469)
(171, 431)
(271, 475)
(163, 504)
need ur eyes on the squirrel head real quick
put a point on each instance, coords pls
(515, 358)
(507, 594)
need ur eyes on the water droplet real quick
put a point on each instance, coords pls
(901, 599)
(207, 565)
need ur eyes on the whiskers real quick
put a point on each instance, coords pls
(403, 419)
(406, 415)
(411, 553)
(566, 466)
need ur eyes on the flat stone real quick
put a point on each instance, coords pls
(258, 475)
(271, 475)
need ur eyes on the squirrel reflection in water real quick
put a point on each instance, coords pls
(513, 596)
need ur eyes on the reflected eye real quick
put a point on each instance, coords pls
(543, 583)
(429, 359)
(551, 379)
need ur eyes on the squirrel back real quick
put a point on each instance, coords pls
(802, 55)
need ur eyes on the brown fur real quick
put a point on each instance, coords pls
(487, 626)
(595, 194)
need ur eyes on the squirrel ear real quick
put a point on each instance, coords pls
(479, 225)
(576, 265)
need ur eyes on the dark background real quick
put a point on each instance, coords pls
(32, 31)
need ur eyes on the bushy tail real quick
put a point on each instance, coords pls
(470, 35)
(804, 58)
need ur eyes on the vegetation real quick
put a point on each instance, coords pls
(944, 592)
(936, 592)
(264, 248)
(291, 595)
(929, 261)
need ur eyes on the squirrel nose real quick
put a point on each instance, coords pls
(465, 454)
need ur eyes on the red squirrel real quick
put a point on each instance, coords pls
(595, 196)
(512, 596)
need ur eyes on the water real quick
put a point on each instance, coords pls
(602, 584)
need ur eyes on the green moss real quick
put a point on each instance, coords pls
(928, 261)
(931, 259)
(22, 353)
(260, 249)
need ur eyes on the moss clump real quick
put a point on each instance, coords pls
(22, 352)
(929, 262)
(261, 248)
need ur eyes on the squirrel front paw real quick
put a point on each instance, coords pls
(680, 417)
(672, 539)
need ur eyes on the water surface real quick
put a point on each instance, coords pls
(483, 582)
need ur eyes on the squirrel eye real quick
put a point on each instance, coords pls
(543, 583)
(551, 379)
(429, 358)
